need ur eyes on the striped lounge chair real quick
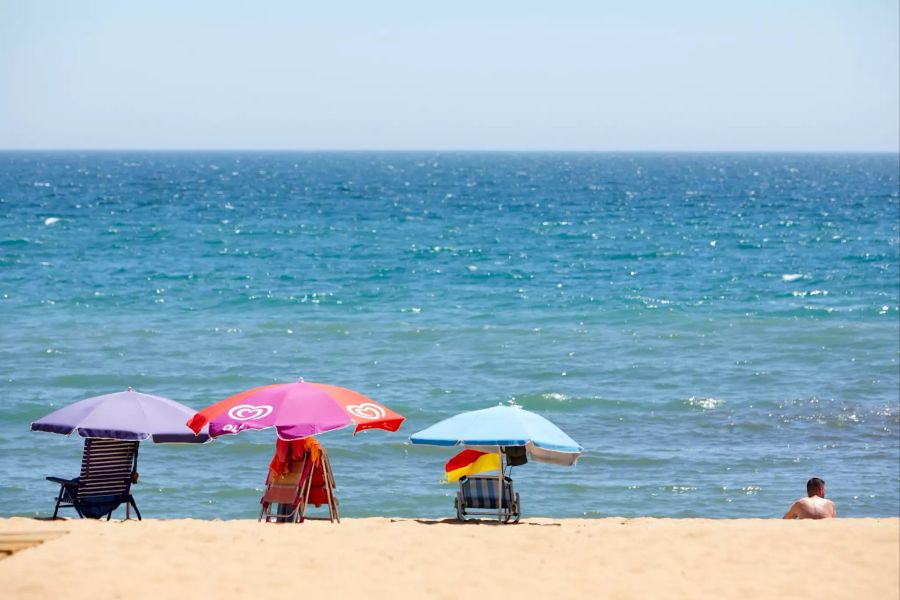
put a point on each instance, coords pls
(477, 497)
(108, 468)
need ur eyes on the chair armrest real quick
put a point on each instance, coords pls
(62, 481)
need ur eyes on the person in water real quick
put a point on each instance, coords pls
(814, 506)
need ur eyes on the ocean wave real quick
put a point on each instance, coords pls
(17, 242)
(705, 403)
(559, 401)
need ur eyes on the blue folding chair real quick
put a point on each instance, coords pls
(477, 497)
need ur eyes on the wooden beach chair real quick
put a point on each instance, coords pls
(477, 498)
(108, 468)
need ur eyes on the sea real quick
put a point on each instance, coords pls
(714, 329)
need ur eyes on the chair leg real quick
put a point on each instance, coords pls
(333, 510)
(329, 495)
(304, 498)
(134, 505)
(58, 500)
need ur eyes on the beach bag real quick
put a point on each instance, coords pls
(516, 455)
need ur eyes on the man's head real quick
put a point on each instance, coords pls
(815, 487)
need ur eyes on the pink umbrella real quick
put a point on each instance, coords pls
(296, 410)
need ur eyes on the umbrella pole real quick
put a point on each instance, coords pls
(500, 490)
(133, 471)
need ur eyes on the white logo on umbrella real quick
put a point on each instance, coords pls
(249, 412)
(366, 410)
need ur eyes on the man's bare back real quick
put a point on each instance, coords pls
(813, 507)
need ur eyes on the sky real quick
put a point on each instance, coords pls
(644, 75)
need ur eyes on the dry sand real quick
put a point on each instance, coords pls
(384, 558)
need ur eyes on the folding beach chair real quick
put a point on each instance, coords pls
(108, 468)
(319, 491)
(286, 492)
(477, 497)
(307, 482)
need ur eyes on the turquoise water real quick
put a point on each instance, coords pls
(714, 329)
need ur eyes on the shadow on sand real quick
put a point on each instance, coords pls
(487, 522)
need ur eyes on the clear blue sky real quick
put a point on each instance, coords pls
(273, 74)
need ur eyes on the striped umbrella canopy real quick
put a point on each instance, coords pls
(296, 410)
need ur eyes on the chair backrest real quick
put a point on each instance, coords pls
(481, 492)
(107, 467)
(286, 489)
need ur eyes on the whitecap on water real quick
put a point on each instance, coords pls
(705, 403)
(555, 396)
(51, 220)
(792, 277)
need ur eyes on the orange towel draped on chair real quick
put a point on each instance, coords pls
(287, 451)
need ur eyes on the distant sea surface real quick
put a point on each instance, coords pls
(714, 329)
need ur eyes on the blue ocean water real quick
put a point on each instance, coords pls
(714, 329)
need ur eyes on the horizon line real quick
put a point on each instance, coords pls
(464, 150)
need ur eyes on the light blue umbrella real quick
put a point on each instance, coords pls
(497, 428)
(501, 426)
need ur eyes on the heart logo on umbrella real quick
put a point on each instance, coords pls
(249, 412)
(366, 410)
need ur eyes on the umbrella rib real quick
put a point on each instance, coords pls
(140, 404)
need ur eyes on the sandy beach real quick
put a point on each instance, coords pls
(403, 558)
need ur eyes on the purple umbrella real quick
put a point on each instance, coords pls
(128, 415)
